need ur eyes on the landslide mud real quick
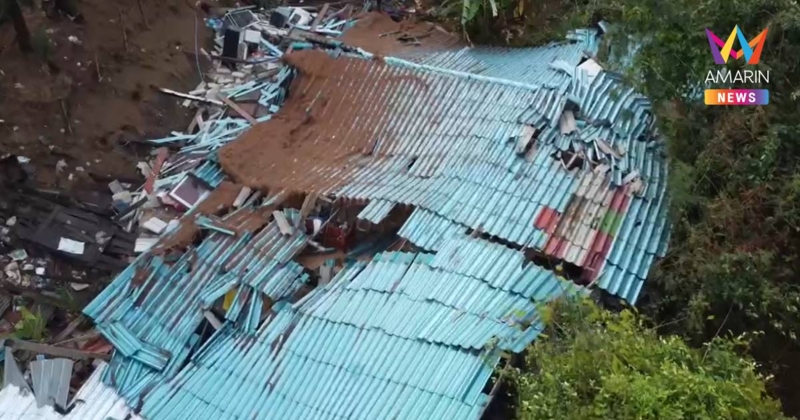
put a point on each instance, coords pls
(336, 112)
(379, 34)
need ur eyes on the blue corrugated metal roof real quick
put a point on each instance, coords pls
(151, 310)
(537, 66)
(453, 145)
(428, 230)
(407, 336)
(376, 211)
(608, 112)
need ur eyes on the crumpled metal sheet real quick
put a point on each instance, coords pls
(405, 336)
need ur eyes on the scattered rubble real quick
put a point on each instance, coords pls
(326, 200)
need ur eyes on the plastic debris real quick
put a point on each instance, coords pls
(18, 255)
(71, 246)
(155, 225)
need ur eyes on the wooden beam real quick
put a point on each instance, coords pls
(320, 16)
(283, 224)
(190, 97)
(53, 350)
(238, 109)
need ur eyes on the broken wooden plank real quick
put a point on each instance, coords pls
(197, 122)
(144, 18)
(191, 97)
(308, 205)
(238, 109)
(161, 157)
(243, 194)
(283, 223)
(69, 329)
(212, 319)
(344, 13)
(320, 16)
(54, 351)
(124, 32)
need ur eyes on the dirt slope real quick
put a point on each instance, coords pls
(109, 111)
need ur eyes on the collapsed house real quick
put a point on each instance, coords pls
(488, 170)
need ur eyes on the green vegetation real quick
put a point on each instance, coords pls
(599, 365)
(734, 257)
(735, 178)
(30, 327)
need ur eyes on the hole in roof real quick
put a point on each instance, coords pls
(571, 160)
(411, 163)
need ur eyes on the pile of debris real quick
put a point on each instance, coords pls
(415, 209)
(56, 240)
(246, 85)
(56, 248)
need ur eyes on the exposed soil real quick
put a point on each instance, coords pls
(379, 34)
(323, 126)
(103, 88)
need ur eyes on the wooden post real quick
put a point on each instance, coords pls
(144, 18)
(124, 32)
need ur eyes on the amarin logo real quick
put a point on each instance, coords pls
(751, 51)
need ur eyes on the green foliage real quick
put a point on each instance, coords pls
(30, 327)
(735, 171)
(600, 365)
(515, 22)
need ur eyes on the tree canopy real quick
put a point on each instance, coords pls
(595, 364)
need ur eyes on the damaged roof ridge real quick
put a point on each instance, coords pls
(403, 63)
(399, 62)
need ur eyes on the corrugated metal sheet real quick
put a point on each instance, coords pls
(536, 66)
(472, 138)
(12, 375)
(455, 145)
(447, 139)
(5, 303)
(494, 264)
(376, 211)
(428, 230)
(51, 381)
(94, 401)
(151, 310)
(407, 336)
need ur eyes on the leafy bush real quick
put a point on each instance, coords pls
(600, 365)
(736, 244)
